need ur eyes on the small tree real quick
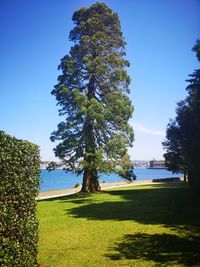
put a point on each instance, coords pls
(92, 95)
(128, 174)
(175, 156)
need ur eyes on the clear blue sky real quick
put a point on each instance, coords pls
(34, 37)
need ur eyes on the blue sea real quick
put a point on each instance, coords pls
(58, 179)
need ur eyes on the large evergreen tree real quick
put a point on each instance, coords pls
(183, 135)
(190, 122)
(92, 93)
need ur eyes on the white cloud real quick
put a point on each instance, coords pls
(140, 128)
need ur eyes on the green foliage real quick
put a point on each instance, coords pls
(128, 174)
(175, 154)
(92, 93)
(183, 135)
(19, 174)
(190, 123)
(76, 185)
(127, 169)
(196, 48)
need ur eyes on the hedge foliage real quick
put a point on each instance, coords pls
(19, 185)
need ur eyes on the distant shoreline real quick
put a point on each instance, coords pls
(108, 185)
(156, 168)
(69, 191)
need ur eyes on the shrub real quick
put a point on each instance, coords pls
(165, 180)
(77, 185)
(19, 175)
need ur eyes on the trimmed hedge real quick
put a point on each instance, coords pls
(166, 180)
(19, 185)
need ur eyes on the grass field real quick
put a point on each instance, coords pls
(132, 226)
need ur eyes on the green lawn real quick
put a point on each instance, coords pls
(131, 226)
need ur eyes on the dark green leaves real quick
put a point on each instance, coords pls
(183, 134)
(19, 171)
(92, 94)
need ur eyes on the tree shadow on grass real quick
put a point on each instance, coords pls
(163, 249)
(158, 205)
(172, 207)
(76, 198)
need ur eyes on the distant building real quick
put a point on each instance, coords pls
(140, 163)
(44, 164)
(157, 164)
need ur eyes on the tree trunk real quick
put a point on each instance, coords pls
(90, 176)
(185, 176)
(90, 182)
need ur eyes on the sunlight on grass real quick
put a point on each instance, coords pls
(133, 226)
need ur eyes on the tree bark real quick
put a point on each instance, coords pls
(90, 176)
(90, 182)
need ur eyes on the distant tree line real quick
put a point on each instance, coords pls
(182, 142)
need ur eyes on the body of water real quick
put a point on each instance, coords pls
(58, 179)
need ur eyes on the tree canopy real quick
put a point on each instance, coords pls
(175, 156)
(92, 93)
(183, 134)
